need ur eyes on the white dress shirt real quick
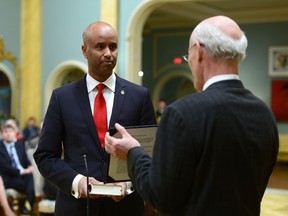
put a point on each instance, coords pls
(220, 78)
(108, 94)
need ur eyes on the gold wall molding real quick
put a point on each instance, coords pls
(8, 56)
(109, 12)
(31, 56)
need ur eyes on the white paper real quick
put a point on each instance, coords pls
(146, 137)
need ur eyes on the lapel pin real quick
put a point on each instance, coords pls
(122, 92)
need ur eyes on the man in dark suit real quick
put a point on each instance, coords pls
(15, 167)
(69, 124)
(30, 131)
(214, 150)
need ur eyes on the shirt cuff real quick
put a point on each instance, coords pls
(129, 187)
(74, 189)
(21, 171)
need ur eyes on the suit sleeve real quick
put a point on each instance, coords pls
(165, 180)
(48, 153)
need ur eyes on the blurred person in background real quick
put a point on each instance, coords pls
(15, 168)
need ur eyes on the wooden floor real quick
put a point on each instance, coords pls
(279, 177)
(275, 200)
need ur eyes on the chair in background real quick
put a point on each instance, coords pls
(14, 200)
(46, 207)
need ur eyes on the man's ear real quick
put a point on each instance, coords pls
(84, 51)
(200, 52)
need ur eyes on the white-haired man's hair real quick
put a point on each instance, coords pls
(218, 44)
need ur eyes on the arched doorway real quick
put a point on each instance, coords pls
(5, 97)
(158, 53)
(72, 75)
(172, 85)
(63, 74)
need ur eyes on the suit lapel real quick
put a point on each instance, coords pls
(3, 149)
(120, 94)
(5, 152)
(83, 100)
(82, 97)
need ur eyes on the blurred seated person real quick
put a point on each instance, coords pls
(31, 130)
(3, 201)
(16, 169)
(14, 122)
(161, 107)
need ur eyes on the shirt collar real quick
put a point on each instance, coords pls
(220, 78)
(7, 145)
(92, 83)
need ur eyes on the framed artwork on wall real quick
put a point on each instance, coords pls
(279, 99)
(278, 61)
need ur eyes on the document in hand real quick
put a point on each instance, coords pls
(105, 189)
(146, 137)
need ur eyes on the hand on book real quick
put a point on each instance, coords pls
(116, 191)
(82, 187)
(123, 185)
(120, 147)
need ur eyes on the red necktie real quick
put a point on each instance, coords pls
(100, 114)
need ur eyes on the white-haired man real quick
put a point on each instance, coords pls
(215, 149)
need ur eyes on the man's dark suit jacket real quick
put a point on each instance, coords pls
(213, 155)
(6, 168)
(11, 175)
(69, 120)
